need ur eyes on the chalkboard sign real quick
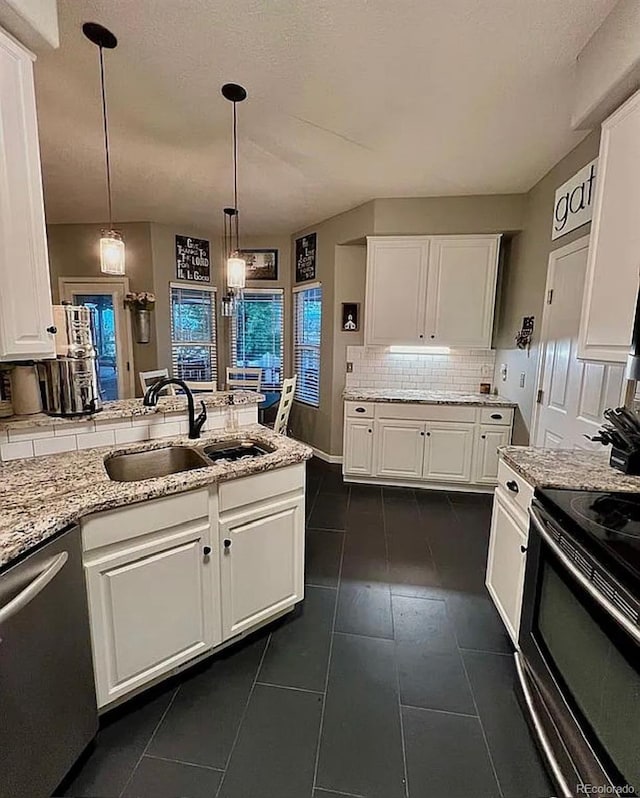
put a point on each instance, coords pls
(192, 259)
(306, 253)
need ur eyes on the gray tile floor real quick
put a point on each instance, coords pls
(394, 679)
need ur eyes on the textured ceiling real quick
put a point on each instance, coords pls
(347, 101)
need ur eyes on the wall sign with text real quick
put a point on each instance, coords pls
(193, 259)
(574, 201)
(306, 255)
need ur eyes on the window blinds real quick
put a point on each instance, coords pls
(257, 334)
(193, 333)
(307, 324)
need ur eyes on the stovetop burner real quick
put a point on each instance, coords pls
(607, 523)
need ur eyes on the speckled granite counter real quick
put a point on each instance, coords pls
(41, 496)
(133, 408)
(410, 396)
(567, 468)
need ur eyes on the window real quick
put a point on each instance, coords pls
(307, 324)
(257, 338)
(193, 333)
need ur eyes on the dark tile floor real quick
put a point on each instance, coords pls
(393, 679)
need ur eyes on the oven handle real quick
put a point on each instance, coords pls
(539, 729)
(33, 588)
(601, 600)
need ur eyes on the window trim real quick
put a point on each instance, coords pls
(193, 286)
(296, 289)
(275, 290)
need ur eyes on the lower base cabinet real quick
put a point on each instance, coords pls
(171, 579)
(448, 452)
(506, 564)
(490, 438)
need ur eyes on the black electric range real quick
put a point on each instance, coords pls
(606, 524)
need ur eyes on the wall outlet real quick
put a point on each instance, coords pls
(503, 372)
(523, 377)
(486, 370)
(349, 367)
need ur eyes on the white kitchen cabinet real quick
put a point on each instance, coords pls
(399, 448)
(461, 295)
(153, 596)
(506, 561)
(262, 567)
(431, 290)
(397, 271)
(25, 299)
(358, 446)
(611, 285)
(448, 451)
(490, 437)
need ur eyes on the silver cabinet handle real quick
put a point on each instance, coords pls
(33, 588)
(540, 733)
(610, 608)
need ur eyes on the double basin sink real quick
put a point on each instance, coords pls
(152, 463)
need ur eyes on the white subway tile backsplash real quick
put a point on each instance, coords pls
(74, 428)
(460, 370)
(166, 430)
(101, 426)
(30, 434)
(91, 439)
(15, 451)
(132, 434)
(67, 443)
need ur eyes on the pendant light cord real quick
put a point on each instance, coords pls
(235, 172)
(106, 135)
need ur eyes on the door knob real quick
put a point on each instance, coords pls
(206, 551)
(227, 543)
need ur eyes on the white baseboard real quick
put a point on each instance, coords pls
(328, 458)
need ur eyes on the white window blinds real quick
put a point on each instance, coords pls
(257, 334)
(193, 333)
(307, 325)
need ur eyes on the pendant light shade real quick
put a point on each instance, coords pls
(236, 265)
(112, 250)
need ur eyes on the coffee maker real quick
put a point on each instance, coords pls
(69, 383)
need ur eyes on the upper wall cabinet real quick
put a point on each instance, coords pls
(614, 249)
(25, 298)
(431, 290)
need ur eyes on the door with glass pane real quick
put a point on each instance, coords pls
(105, 295)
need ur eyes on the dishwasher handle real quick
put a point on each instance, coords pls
(33, 588)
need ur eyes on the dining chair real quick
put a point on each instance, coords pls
(199, 386)
(149, 378)
(284, 408)
(241, 378)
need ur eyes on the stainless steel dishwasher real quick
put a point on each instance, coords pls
(48, 711)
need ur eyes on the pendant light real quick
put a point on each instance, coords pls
(236, 265)
(112, 252)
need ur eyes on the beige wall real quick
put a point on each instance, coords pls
(524, 281)
(73, 252)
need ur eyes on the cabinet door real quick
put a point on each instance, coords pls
(448, 452)
(396, 290)
(612, 269)
(152, 607)
(262, 569)
(399, 448)
(506, 563)
(358, 446)
(490, 437)
(461, 291)
(25, 299)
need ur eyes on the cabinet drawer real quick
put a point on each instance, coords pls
(359, 409)
(496, 415)
(258, 487)
(519, 491)
(124, 523)
(392, 410)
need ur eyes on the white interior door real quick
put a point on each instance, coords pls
(113, 330)
(574, 392)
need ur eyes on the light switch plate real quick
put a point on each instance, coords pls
(523, 377)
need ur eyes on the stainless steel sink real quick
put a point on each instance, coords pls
(154, 463)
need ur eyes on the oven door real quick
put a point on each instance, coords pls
(578, 665)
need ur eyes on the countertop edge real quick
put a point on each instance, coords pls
(471, 400)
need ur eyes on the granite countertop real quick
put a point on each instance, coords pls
(41, 496)
(568, 468)
(130, 408)
(425, 397)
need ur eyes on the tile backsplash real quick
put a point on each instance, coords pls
(459, 370)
